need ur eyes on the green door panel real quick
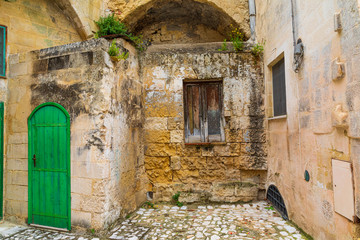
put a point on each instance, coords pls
(1, 157)
(49, 166)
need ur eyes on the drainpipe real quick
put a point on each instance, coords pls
(252, 12)
(293, 22)
(298, 57)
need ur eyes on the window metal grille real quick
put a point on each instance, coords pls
(274, 196)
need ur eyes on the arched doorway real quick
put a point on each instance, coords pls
(49, 166)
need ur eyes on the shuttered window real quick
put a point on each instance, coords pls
(203, 112)
(279, 88)
(2, 51)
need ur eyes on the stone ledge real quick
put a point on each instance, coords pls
(196, 48)
(85, 46)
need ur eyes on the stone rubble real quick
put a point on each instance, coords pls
(212, 222)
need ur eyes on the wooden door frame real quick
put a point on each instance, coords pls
(1, 159)
(30, 165)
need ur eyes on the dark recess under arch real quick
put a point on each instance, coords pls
(193, 13)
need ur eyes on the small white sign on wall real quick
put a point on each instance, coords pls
(343, 189)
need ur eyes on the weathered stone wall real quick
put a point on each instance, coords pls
(315, 130)
(35, 25)
(104, 102)
(231, 171)
(83, 14)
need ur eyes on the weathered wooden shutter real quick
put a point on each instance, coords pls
(193, 113)
(213, 112)
(203, 112)
(2, 51)
(279, 88)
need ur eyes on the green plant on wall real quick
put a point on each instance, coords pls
(257, 49)
(110, 25)
(237, 38)
(138, 41)
(123, 56)
(114, 52)
(175, 197)
(148, 204)
(223, 46)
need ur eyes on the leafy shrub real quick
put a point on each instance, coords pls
(110, 25)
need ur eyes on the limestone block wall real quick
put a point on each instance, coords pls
(83, 14)
(234, 170)
(35, 25)
(322, 119)
(103, 100)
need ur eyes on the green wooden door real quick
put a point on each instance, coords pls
(1, 157)
(49, 166)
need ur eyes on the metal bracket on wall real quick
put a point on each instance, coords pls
(298, 45)
(298, 55)
(337, 22)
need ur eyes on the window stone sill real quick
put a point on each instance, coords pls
(277, 117)
(205, 144)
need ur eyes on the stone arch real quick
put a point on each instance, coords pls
(204, 18)
(76, 17)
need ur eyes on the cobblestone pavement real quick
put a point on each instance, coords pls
(210, 222)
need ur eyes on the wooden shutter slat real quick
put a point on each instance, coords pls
(2, 51)
(204, 119)
(279, 88)
(203, 112)
(213, 112)
(192, 110)
(196, 109)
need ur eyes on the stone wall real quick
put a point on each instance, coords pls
(34, 25)
(234, 170)
(319, 99)
(83, 14)
(104, 102)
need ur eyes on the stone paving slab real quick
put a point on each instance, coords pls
(22, 233)
(7, 231)
(211, 222)
(204, 222)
